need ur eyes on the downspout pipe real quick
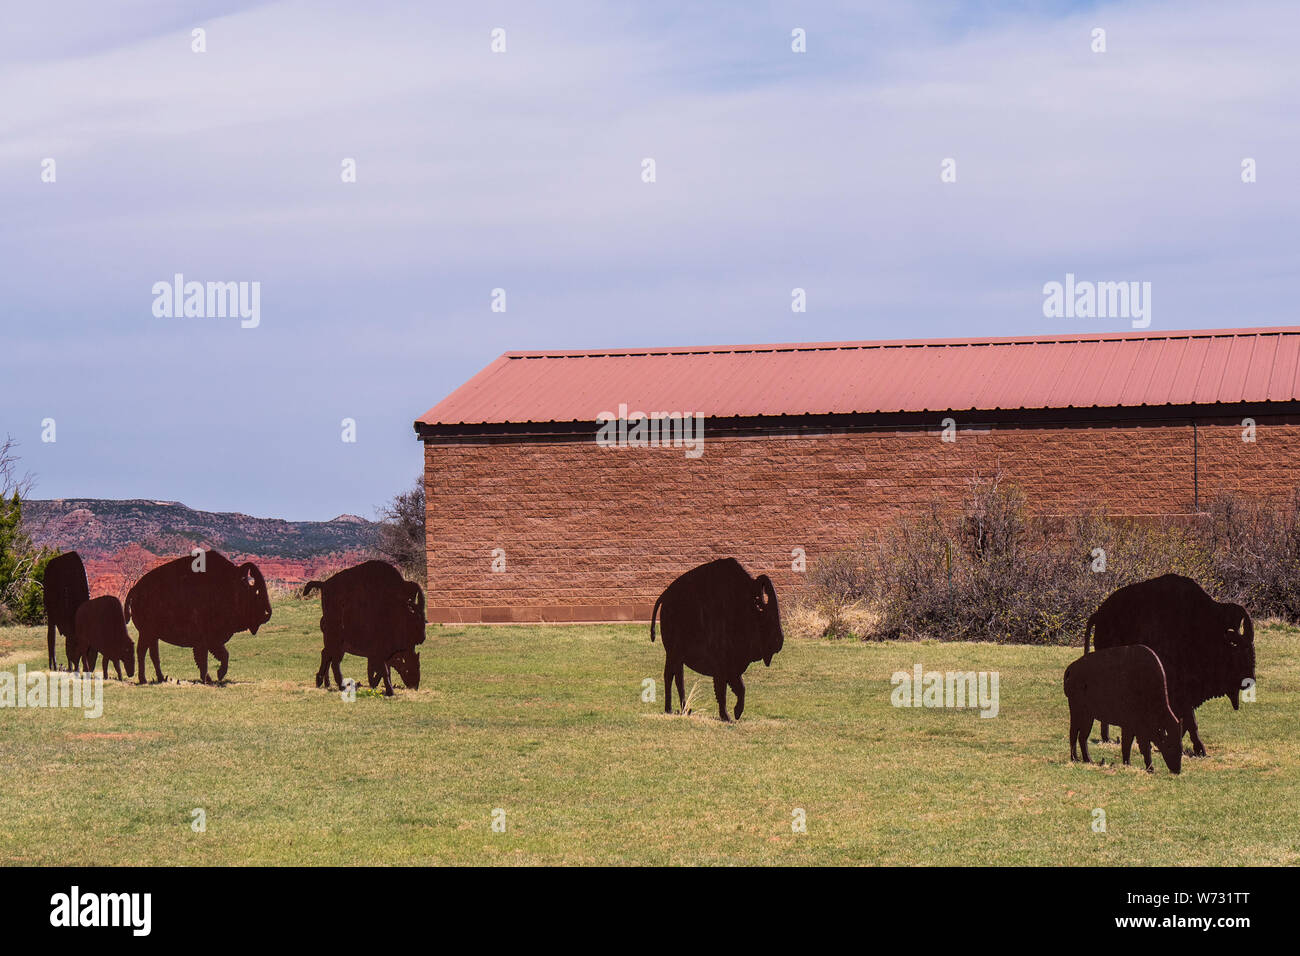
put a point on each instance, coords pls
(1196, 472)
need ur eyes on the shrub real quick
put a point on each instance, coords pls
(1256, 554)
(401, 532)
(989, 571)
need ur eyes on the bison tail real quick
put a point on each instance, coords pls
(126, 607)
(311, 586)
(653, 615)
(1087, 632)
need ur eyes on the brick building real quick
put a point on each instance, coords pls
(538, 508)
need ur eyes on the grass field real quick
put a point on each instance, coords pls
(548, 724)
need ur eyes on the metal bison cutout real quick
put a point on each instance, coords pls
(717, 620)
(101, 629)
(1124, 685)
(65, 590)
(370, 610)
(197, 602)
(1207, 648)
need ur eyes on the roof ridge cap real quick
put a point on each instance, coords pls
(761, 347)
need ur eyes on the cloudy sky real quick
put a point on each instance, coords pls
(522, 170)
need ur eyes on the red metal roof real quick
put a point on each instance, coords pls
(929, 375)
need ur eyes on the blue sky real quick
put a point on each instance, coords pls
(522, 170)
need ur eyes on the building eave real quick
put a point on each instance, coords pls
(444, 433)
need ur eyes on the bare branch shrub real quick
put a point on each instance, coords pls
(989, 570)
(401, 532)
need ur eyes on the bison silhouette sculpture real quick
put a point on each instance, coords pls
(101, 629)
(199, 602)
(370, 610)
(1124, 685)
(1207, 647)
(65, 590)
(717, 620)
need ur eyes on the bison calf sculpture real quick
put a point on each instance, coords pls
(1207, 647)
(199, 602)
(65, 589)
(1125, 686)
(101, 629)
(717, 620)
(371, 611)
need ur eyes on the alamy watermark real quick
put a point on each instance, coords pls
(656, 430)
(208, 300)
(1074, 299)
(957, 689)
(133, 911)
(53, 689)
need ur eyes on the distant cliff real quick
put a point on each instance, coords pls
(121, 539)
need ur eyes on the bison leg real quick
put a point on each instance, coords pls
(720, 692)
(49, 640)
(1105, 732)
(1125, 743)
(738, 685)
(323, 675)
(157, 665)
(328, 661)
(387, 675)
(681, 685)
(1144, 745)
(1189, 723)
(1080, 728)
(117, 667)
(223, 660)
(669, 671)
(148, 644)
(201, 658)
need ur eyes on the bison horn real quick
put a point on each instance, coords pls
(253, 574)
(416, 599)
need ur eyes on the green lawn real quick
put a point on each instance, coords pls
(547, 723)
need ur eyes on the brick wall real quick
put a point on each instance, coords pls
(592, 533)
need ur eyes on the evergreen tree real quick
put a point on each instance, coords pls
(22, 565)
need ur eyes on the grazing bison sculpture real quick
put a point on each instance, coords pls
(1124, 685)
(65, 590)
(199, 602)
(717, 620)
(1207, 647)
(101, 629)
(370, 610)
